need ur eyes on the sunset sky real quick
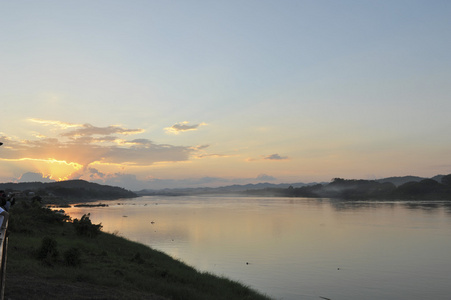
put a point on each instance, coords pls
(155, 94)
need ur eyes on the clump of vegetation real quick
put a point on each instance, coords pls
(85, 227)
(48, 251)
(72, 257)
(30, 217)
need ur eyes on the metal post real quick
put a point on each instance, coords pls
(3, 253)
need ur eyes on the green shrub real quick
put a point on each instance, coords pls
(29, 217)
(48, 250)
(85, 227)
(72, 257)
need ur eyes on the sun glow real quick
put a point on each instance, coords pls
(51, 168)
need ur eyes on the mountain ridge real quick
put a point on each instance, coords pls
(236, 188)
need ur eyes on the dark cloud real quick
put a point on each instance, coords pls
(139, 142)
(89, 130)
(275, 157)
(183, 127)
(128, 181)
(94, 173)
(34, 177)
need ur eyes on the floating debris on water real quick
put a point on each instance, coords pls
(91, 205)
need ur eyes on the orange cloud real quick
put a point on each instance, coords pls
(73, 151)
(63, 125)
(181, 127)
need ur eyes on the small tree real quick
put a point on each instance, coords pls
(85, 227)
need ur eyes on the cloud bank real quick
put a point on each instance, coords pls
(80, 145)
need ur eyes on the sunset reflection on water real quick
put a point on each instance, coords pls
(296, 248)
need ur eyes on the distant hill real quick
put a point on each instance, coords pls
(403, 179)
(359, 189)
(81, 190)
(69, 189)
(438, 178)
(230, 189)
(366, 188)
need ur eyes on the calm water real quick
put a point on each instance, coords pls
(297, 248)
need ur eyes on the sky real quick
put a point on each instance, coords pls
(163, 94)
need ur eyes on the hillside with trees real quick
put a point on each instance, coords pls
(358, 189)
(70, 190)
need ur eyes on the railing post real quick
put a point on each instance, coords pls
(3, 254)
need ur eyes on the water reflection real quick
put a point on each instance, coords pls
(341, 205)
(432, 207)
(295, 248)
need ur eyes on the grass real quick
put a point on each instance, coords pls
(104, 266)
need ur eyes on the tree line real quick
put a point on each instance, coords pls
(70, 189)
(359, 189)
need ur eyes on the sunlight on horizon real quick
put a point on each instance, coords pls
(51, 168)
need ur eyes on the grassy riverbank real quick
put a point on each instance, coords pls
(48, 258)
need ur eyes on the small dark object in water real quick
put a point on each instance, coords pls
(91, 205)
(124, 216)
(152, 222)
(325, 298)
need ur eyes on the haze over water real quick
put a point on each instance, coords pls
(297, 248)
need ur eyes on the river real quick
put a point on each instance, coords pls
(297, 248)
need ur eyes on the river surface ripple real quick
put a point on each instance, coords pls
(297, 248)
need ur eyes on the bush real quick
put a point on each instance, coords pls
(72, 257)
(85, 227)
(48, 251)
